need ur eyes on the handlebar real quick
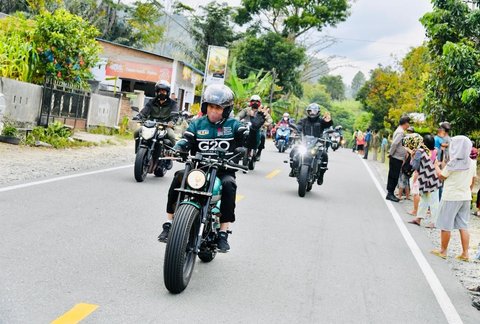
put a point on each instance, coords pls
(222, 163)
(157, 123)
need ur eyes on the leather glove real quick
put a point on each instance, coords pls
(138, 117)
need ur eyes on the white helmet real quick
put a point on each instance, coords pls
(286, 116)
(255, 98)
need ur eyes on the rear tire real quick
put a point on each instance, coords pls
(179, 253)
(302, 180)
(141, 164)
(251, 163)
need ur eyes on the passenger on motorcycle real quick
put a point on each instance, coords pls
(313, 125)
(161, 108)
(246, 114)
(204, 135)
(285, 122)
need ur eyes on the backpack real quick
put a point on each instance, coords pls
(407, 168)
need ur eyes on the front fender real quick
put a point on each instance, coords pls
(192, 203)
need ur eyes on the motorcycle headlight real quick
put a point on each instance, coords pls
(196, 179)
(302, 150)
(313, 151)
(147, 133)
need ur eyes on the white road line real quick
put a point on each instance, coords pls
(36, 183)
(443, 300)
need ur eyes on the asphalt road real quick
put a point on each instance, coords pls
(335, 256)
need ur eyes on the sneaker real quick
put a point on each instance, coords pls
(164, 235)
(222, 242)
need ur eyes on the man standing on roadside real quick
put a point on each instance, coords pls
(368, 140)
(397, 155)
(375, 144)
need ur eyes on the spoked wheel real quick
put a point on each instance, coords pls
(141, 164)
(179, 253)
(302, 181)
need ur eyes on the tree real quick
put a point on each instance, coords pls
(213, 27)
(379, 95)
(66, 46)
(292, 18)
(272, 52)
(357, 82)
(334, 86)
(453, 88)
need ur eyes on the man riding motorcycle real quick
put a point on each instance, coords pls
(161, 108)
(204, 135)
(312, 125)
(246, 114)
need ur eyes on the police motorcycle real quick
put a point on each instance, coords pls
(196, 221)
(152, 145)
(282, 133)
(308, 161)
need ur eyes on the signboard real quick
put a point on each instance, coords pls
(216, 66)
(139, 71)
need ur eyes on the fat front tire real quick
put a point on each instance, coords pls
(141, 164)
(302, 181)
(179, 252)
(251, 163)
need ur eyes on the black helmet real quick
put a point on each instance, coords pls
(218, 94)
(446, 126)
(314, 108)
(162, 84)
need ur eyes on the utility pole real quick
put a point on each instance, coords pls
(274, 78)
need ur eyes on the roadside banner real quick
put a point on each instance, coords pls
(216, 66)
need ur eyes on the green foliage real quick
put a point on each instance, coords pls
(357, 83)
(259, 84)
(9, 130)
(56, 134)
(345, 113)
(67, 47)
(363, 121)
(316, 93)
(292, 18)
(213, 27)
(453, 88)
(334, 86)
(18, 56)
(268, 52)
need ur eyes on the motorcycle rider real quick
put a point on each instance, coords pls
(312, 125)
(204, 135)
(161, 108)
(285, 122)
(246, 114)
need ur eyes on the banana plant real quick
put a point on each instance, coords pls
(260, 84)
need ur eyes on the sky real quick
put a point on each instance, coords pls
(376, 32)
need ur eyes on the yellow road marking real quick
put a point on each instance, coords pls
(239, 198)
(273, 174)
(76, 314)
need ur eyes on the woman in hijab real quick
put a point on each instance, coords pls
(454, 212)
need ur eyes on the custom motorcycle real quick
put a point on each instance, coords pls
(150, 147)
(196, 221)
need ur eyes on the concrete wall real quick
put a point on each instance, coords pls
(22, 100)
(103, 111)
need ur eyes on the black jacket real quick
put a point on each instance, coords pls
(313, 126)
(168, 111)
